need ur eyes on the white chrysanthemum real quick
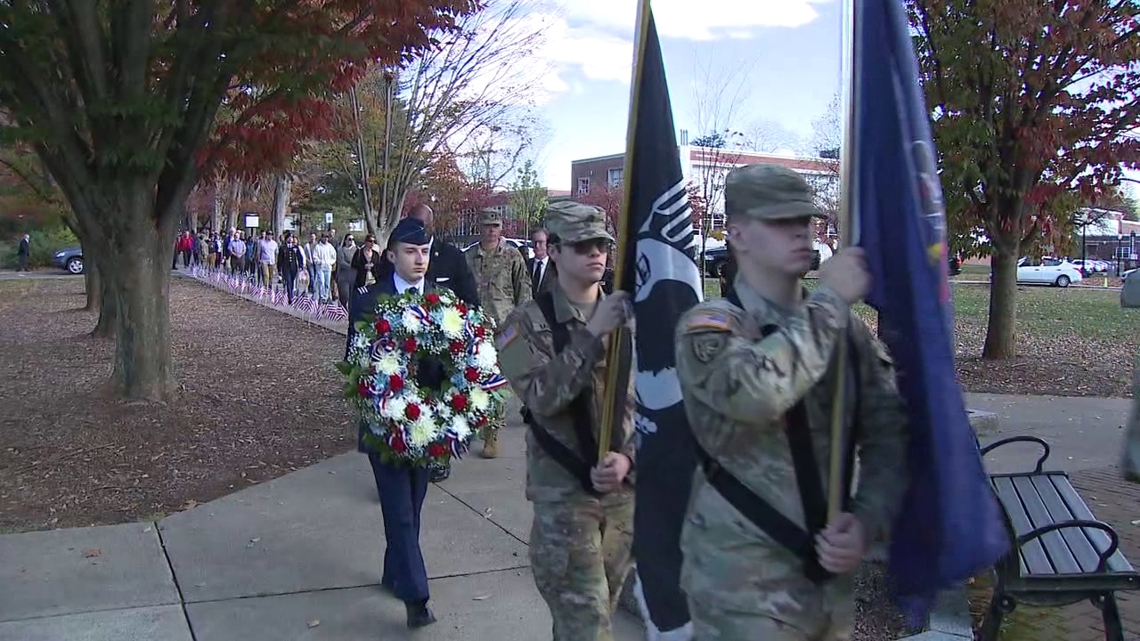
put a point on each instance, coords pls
(394, 408)
(360, 342)
(460, 427)
(451, 323)
(444, 412)
(480, 399)
(388, 364)
(411, 321)
(486, 357)
(422, 431)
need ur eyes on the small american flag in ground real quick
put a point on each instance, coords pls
(334, 312)
(305, 304)
(280, 298)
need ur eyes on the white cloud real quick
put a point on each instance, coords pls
(708, 20)
(595, 37)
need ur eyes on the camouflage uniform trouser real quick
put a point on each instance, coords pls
(712, 623)
(580, 556)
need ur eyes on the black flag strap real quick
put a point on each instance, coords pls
(808, 479)
(581, 412)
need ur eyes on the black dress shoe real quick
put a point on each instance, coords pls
(419, 615)
(440, 473)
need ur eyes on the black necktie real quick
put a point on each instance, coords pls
(537, 272)
(414, 290)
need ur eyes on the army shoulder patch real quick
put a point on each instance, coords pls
(710, 320)
(508, 336)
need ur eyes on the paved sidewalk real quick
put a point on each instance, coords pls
(295, 558)
(299, 557)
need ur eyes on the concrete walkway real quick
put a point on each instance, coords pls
(295, 558)
(299, 557)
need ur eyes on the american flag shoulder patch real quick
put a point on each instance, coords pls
(508, 336)
(709, 320)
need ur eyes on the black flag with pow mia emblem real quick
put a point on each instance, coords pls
(661, 274)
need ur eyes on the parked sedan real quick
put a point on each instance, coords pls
(1052, 271)
(70, 259)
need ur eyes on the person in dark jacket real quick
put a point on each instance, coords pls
(367, 263)
(23, 253)
(448, 266)
(344, 274)
(290, 262)
(727, 275)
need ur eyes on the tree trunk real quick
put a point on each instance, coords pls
(136, 291)
(233, 213)
(216, 210)
(282, 190)
(1000, 337)
(108, 312)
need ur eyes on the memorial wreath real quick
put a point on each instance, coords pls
(409, 423)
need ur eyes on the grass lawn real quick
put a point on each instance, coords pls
(1071, 342)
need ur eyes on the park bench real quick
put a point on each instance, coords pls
(1060, 553)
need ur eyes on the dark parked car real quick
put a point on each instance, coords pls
(70, 259)
(715, 258)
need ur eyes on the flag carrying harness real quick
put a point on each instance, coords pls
(581, 411)
(808, 480)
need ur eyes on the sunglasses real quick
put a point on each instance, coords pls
(590, 246)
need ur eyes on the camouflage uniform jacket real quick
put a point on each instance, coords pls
(737, 388)
(547, 382)
(504, 282)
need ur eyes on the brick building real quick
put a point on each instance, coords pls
(707, 167)
(1109, 237)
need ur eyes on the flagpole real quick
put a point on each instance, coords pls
(613, 368)
(848, 236)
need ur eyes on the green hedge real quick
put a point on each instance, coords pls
(44, 245)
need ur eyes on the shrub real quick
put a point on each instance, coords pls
(44, 244)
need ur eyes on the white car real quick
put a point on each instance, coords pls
(1050, 271)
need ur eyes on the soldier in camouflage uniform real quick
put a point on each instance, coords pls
(583, 510)
(504, 283)
(752, 371)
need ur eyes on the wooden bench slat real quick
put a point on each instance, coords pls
(1059, 555)
(1099, 540)
(1049, 489)
(1032, 553)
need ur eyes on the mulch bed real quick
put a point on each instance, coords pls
(258, 397)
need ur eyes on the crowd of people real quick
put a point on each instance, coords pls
(326, 271)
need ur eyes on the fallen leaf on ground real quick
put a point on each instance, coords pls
(482, 597)
(314, 623)
(93, 552)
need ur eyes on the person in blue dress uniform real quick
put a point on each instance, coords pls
(401, 487)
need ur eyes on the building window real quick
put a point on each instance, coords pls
(583, 186)
(613, 176)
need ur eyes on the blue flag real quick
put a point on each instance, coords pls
(951, 526)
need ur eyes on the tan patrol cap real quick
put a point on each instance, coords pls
(574, 222)
(768, 192)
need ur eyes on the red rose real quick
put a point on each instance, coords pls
(459, 402)
(471, 374)
(480, 332)
(410, 345)
(481, 421)
(364, 389)
(382, 326)
(456, 348)
(461, 308)
(398, 446)
(432, 298)
(437, 450)
(395, 383)
(412, 411)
